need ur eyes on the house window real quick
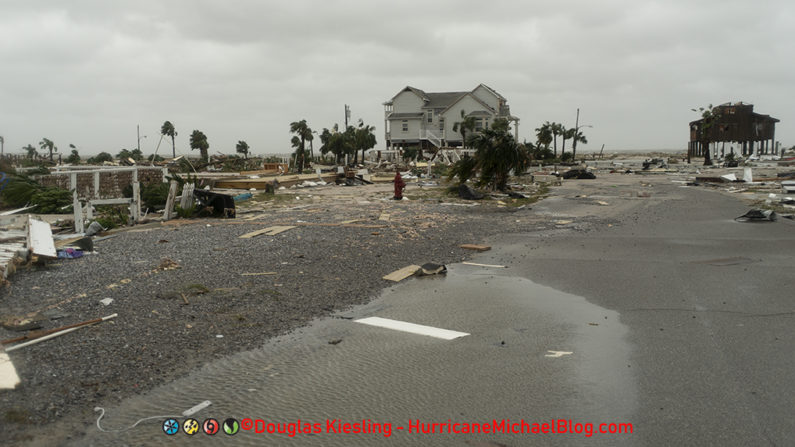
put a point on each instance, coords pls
(405, 126)
(441, 124)
(430, 116)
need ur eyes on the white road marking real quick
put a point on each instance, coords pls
(557, 354)
(412, 328)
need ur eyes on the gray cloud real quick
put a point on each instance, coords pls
(89, 72)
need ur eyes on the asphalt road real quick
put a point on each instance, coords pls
(668, 315)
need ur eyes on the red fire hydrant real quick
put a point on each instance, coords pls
(400, 185)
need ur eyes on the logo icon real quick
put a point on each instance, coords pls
(210, 426)
(190, 426)
(231, 426)
(171, 427)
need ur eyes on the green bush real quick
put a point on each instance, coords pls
(52, 201)
(154, 195)
(19, 191)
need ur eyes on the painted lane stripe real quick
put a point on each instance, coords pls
(412, 328)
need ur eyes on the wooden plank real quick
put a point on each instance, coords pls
(172, 194)
(270, 231)
(255, 233)
(280, 229)
(475, 247)
(405, 272)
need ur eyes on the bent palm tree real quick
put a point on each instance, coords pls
(303, 133)
(467, 123)
(167, 130)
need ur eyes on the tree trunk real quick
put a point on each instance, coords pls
(707, 157)
(173, 148)
(555, 139)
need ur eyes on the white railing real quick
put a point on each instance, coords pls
(428, 134)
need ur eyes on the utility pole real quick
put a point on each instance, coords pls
(138, 134)
(347, 115)
(576, 131)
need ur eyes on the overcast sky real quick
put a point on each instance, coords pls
(87, 72)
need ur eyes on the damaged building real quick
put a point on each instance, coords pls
(746, 132)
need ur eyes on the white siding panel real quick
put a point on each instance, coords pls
(487, 97)
(407, 102)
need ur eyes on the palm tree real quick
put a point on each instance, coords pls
(47, 144)
(242, 148)
(557, 129)
(467, 123)
(577, 138)
(199, 141)
(567, 134)
(544, 135)
(167, 130)
(335, 142)
(30, 150)
(497, 154)
(363, 139)
(302, 134)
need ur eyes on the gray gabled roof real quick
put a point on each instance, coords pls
(442, 100)
(416, 91)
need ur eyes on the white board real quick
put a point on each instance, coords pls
(40, 238)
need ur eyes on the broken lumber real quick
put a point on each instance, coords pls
(405, 272)
(40, 240)
(475, 247)
(61, 331)
(269, 231)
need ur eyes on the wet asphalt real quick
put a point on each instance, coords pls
(675, 319)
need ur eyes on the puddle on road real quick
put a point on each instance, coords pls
(337, 369)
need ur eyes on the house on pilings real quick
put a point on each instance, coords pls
(746, 132)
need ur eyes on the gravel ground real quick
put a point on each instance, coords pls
(314, 269)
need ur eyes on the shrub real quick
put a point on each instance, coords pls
(52, 201)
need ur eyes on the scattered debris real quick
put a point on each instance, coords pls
(467, 193)
(94, 228)
(269, 231)
(579, 174)
(40, 240)
(563, 222)
(106, 301)
(8, 374)
(475, 247)
(602, 202)
(788, 186)
(726, 261)
(258, 274)
(756, 215)
(432, 269)
(556, 354)
(654, 163)
(168, 264)
(484, 265)
(516, 195)
(60, 331)
(69, 253)
(335, 341)
(405, 272)
(221, 204)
